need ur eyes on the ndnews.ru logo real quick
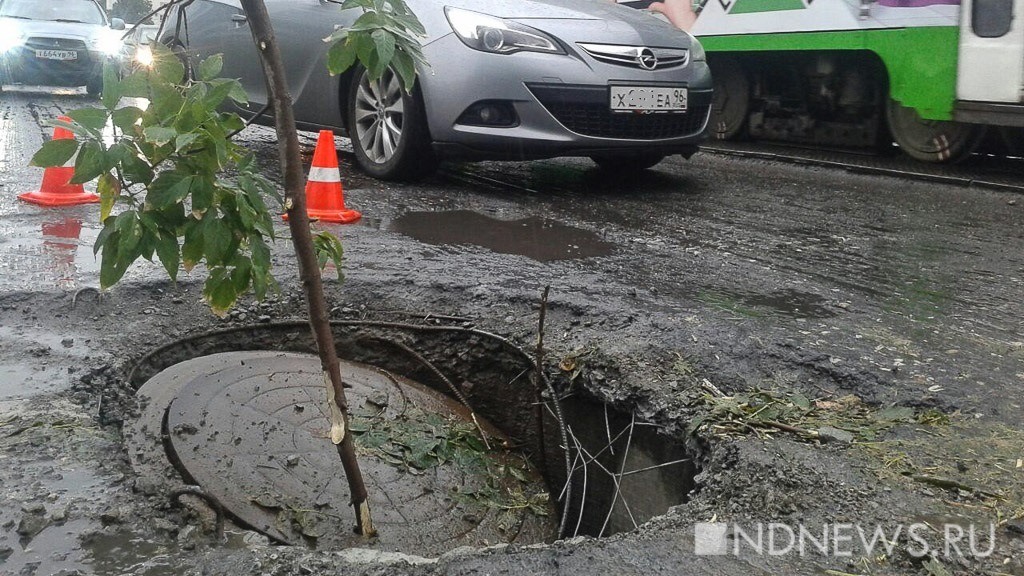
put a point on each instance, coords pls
(844, 539)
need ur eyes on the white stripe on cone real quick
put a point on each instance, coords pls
(318, 174)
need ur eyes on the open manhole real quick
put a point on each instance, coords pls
(240, 414)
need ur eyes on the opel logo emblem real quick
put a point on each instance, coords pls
(646, 58)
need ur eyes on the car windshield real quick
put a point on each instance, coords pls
(85, 11)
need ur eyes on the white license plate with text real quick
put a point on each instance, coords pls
(648, 99)
(57, 54)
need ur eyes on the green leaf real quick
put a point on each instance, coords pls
(237, 93)
(166, 67)
(109, 189)
(329, 249)
(202, 195)
(385, 44)
(91, 162)
(217, 238)
(341, 56)
(54, 153)
(260, 253)
(165, 101)
(159, 135)
(135, 86)
(183, 141)
(404, 66)
(895, 414)
(112, 267)
(241, 276)
(219, 91)
(111, 93)
(126, 117)
(168, 252)
(137, 170)
(211, 67)
(101, 239)
(169, 188)
(800, 401)
(219, 291)
(129, 231)
(94, 119)
(192, 248)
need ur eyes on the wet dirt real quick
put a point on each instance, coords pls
(745, 274)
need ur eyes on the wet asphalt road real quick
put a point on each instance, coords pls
(761, 273)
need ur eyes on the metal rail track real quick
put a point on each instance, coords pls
(979, 171)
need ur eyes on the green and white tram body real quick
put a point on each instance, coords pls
(933, 75)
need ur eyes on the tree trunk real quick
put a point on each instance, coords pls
(309, 270)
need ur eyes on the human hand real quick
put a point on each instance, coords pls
(678, 12)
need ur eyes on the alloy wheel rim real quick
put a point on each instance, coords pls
(379, 116)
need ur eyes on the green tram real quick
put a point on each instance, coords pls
(938, 77)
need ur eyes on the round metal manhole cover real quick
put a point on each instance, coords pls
(250, 429)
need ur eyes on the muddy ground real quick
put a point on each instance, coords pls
(880, 319)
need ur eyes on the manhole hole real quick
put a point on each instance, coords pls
(248, 427)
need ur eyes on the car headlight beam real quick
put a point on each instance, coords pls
(491, 34)
(144, 55)
(109, 44)
(10, 37)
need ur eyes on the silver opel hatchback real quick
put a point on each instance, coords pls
(506, 80)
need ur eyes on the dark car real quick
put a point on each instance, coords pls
(56, 42)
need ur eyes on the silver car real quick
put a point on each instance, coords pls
(506, 80)
(56, 42)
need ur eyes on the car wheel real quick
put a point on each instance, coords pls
(388, 128)
(94, 86)
(627, 163)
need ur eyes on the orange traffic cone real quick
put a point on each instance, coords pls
(325, 198)
(56, 189)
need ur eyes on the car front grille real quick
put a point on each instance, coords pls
(640, 57)
(584, 110)
(24, 65)
(42, 43)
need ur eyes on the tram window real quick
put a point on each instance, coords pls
(991, 18)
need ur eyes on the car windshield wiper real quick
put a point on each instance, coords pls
(69, 20)
(18, 17)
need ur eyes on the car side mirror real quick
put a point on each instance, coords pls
(117, 24)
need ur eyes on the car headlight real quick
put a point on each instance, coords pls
(697, 53)
(109, 44)
(10, 36)
(490, 34)
(144, 55)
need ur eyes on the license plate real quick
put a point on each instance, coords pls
(648, 99)
(57, 54)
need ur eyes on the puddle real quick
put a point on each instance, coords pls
(536, 238)
(19, 380)
(618, 472)
(57, 252)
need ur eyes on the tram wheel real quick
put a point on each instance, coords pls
(935, 141)
(731, 100)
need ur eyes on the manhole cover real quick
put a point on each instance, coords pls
(249, 428)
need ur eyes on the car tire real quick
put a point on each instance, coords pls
(388, 128)
(635, 163)
(94, 86)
